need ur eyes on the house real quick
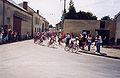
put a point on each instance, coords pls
(117, 36)
(15, 18)
(102, 27)
(59, 26)
(40, 24)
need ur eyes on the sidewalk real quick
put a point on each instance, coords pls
(105, 52)
(116, 47)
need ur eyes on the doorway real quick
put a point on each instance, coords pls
(105, 36)
(17, 24)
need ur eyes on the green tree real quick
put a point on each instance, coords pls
(50, 26)
(106, 18)
(72, 12)
(86, 15)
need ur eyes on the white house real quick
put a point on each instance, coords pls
(117, 36)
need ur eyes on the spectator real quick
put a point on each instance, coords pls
(27, 35)
(98, 43)
(89, 39)
(1, 37)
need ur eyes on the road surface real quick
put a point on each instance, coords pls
(28, 60)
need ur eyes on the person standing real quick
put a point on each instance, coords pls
(89, 39)
(84, 39)
(98, 43)
(1, 37)
(80, 41)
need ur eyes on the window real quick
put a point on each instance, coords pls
(35, 29)
(102, 24)
(36, 20)
(8, 20)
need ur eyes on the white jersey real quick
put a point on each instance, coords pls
(89, 39)
(72, 40)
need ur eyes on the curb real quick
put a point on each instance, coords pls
(101, 54)
(15, 42)
(93, 53)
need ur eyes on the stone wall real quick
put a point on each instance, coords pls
(26, 18)
(77, 26)
(1, 13)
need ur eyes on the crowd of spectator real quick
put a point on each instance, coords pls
(9, 36)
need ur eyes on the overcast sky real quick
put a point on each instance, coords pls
(52, 9)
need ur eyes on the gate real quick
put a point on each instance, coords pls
(17, 24)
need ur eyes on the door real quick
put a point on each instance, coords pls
(105, 36)
(17, 24)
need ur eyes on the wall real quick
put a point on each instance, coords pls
(26, 19)
(37, 25)
(77, 26)
(118, 28)
(1, 13)
(110, 25)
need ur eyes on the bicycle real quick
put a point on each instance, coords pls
(51, 43)
(40, 42)
(72, 47)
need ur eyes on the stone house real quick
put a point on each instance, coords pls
(59, 26)
(15, 17)
(38, 21)
(104, 28)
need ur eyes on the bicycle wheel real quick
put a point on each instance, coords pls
(66, 48)
(40, 42)
(75, 49)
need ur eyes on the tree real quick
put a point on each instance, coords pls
(86, 15)
(72, 12)
(106, 18)
(50, 26)
(71, 7)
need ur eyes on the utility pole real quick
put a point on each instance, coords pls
(4, 12)
(64, 12)
(64, 6)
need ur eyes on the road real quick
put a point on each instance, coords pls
(27, 60)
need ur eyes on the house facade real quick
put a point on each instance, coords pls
(40, 24)
(15, 18)
(21, 18)
(59, 26)
(117, 36)
(104, 28)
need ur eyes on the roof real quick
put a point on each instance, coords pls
(116, 16)
(12, 2)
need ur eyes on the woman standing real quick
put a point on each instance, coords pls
(98, 43)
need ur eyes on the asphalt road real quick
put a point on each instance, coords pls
(28, 60)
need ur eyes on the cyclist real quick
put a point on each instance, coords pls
(72, 40)
(52, 39)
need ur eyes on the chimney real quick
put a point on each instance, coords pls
(37, 11)
(25, 5)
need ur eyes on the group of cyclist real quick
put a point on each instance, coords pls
(39, 37)
(81, 40)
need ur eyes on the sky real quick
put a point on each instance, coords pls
(52, 9)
